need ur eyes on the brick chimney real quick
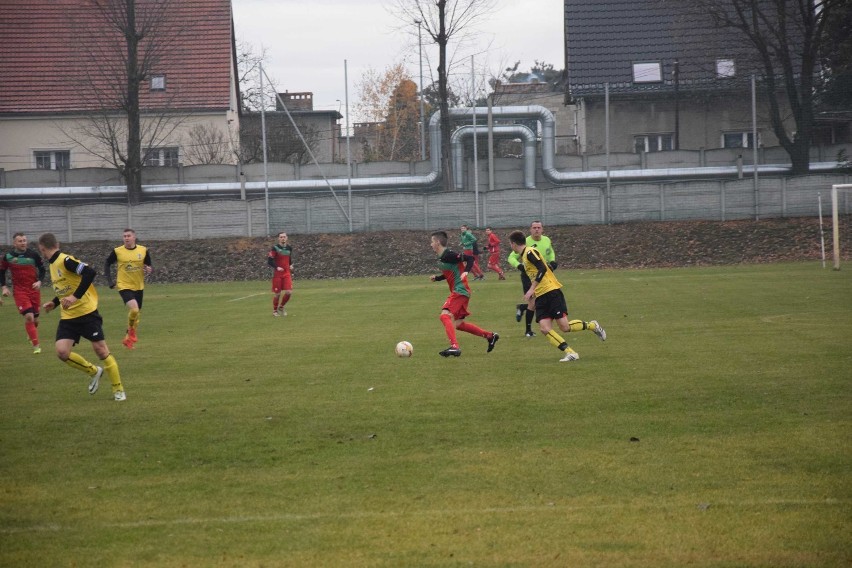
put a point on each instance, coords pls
(296, 101)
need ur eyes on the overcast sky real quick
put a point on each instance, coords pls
(308, 40)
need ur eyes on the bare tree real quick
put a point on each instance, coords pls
(249, 62)
(121, 53)
(786, 36)
(390, 100)
(208, 145)
(444, 21)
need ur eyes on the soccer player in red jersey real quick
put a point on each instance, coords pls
(454, 269)
(27, 272)
(280, 259)
(493, 248)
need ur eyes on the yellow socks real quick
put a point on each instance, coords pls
(76, 361)
(133, 319)
(556, 340)
(111, 367)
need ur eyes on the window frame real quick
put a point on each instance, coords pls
(161, 157)
(154, 83)
(726, 68)
(59, 159)
(745, 137)
(642, 67)
(658, 138)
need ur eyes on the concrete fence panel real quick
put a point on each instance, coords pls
(692, 200)
(504, 208)
(636, 202)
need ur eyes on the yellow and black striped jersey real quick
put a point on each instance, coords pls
(65, 274)
(536, 267)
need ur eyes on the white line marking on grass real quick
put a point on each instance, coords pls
(247, 297)
(291, 517)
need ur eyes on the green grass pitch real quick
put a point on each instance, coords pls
(712, 428)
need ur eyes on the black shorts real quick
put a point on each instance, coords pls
(127, 295)
(89, 326)
(550, 306)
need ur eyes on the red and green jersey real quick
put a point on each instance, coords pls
(280, 257)
(453, 264)
(25, 267)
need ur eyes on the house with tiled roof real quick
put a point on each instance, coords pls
(62, 62)
(674, 80)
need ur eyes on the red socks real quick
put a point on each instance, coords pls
(447, 320)
(475, 330)
(32, 332)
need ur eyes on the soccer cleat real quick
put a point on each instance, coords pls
(599, 331)
(95, 382)
(131, 333)
(37, 350)
(119, 396)
(519, 312)
(492, 342)
(570, 355)
(529, 334)
(450, 352)
(275, 313)
(282, 311)
(127, 342)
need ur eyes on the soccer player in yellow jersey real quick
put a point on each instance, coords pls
(78, 299)
(549, 300)
(134, 263)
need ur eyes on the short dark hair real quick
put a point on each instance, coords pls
(441, 236)
(19, 234)
(130, 231)
(517, 237)
(48, 241)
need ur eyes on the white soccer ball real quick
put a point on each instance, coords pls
(404, 349)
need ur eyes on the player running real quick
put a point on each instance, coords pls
(134, 263)
(280, 259)
(550, 304)
(540, 242)
(78, 300)
(27, 271)
(493, 249)
(454, 269)
(470, 247)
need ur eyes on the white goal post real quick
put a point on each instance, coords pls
(835, 222)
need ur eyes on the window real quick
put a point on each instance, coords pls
(647, 72)
(653, 142)
(165, 157)
(725, 68)
(158, 82)
(738, 140)
(52, 159)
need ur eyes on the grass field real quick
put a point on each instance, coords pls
(712, 428)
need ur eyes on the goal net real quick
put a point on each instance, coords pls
(840, 198)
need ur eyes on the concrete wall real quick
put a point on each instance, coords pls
(508, 171)
(582, 204)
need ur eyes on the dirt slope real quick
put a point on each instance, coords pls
(390, 253)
